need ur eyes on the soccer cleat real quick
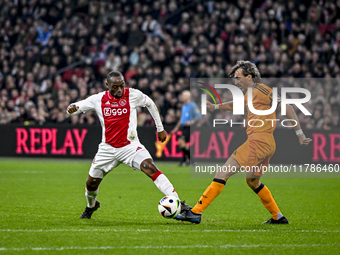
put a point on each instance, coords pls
(88, 211)
(188, 215)
(282, 220)
(185, 207)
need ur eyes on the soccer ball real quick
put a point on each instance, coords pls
(169, 207)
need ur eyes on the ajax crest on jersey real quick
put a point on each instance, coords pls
(122, 102)
(169, 207)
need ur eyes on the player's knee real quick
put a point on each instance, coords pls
(148, 167)
(92, 183)
(91, 186)
(253, 183)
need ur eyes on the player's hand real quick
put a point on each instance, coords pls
(210, 106)
(72, 108)
(303, 140)
(161, 136)
(188, 123)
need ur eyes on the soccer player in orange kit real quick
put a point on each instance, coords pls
(256, 151)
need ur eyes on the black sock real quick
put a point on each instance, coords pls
(186, 153)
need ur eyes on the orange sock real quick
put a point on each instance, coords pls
(268, 201)
(209, 195)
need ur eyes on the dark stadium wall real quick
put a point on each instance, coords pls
(207, 144)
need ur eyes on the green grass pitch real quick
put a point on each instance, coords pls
(41, 201)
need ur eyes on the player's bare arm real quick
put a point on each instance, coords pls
(228, 106)
(176, 128)
(191, 122)
(292, 115)
(72, 108)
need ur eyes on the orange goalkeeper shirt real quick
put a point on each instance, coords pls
(262, 100)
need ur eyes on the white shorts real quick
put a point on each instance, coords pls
(108, 157)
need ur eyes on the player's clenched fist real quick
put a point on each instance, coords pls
(162, 136)
(72, 108)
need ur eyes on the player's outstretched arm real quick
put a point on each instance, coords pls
(228, 106)
(292, 115)
(153, 110)
(82, 105)
(176, 128)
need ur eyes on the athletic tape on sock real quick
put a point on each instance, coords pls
(220, 181)
(259, 188)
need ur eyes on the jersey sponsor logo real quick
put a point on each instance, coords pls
(114, 112)
(108, 102)
(107, 111)
(114, 104)
(122, 102)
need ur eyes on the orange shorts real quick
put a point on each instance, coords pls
(256, 151)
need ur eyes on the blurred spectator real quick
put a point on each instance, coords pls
(44, 34)
(113, 62)
(151, 27)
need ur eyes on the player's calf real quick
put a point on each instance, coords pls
(159, 179)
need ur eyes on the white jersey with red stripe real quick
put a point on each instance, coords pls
(118, 116)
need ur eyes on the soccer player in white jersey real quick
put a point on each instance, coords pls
(116, 109)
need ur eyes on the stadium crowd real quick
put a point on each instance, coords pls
(55, 52)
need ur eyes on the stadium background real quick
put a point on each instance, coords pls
(56, 52)
(53, 53)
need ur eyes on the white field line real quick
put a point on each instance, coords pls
(23, 172)
(173, 230)
(226, 246)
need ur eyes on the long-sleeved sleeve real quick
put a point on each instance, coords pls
(84, 105)
(152, 108)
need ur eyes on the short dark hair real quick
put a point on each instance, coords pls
(247, 68)
(114, 74)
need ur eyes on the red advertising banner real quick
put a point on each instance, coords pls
(206, 144)
(36, 140)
